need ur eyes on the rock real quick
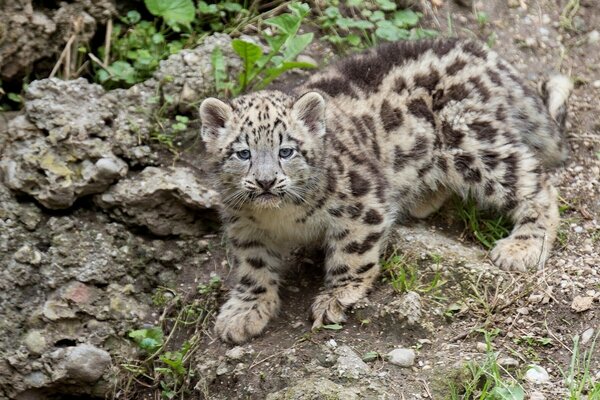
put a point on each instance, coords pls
(235, 353)
(56, 309)
(86, 363)
(537, 375)
(315, 388)
(35, 341)
(587, 335)
(536, 396)
(187, 76)
(593, 37)
(349, 364)
(57, 152)
(596, 84)
(168, 201)
(402, 357)
(508, 362)
(481, 347)
(407, 307)
(26, 254)
(31, 31)
(582, 303)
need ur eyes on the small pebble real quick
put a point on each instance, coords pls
(587, 335)
(508, 362)
(596, 84)
(402, 357)
(536, 396)
(593, 37)
(481, 347)
(536, 374)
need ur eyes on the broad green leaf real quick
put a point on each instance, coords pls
(296, 45)
(332, 12)
(133, 17)
(349, 23)
(333, 327)
(370, 356)
(420, 33)
(507, 393)
(299, 9)
(174, 12)
(273, 73)
(250, 54)
(210, 9)
(406, 18)
(122, 70)
(377, 16)
(219, 70)
(388, 31)
(386, 5)
(287, 23)
(231, 7)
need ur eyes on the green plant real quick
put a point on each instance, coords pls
(137, 46)
(484, 227)
(487, 380)
(258, 69)
(165, 370)
(402, 272)
(359, 24)
(579, 379)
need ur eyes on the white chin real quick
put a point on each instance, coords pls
(268, 201)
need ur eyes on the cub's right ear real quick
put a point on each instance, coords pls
(214, 114)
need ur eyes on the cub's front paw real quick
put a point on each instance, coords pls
(517, 254)
(327, 309)
(239, 321)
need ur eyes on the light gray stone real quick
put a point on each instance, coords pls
(86, 363)
(349, 364)
(316, 388)
(537, 375)
(402, 357)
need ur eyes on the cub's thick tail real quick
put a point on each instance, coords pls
(556, 92)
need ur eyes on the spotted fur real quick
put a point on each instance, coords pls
(394, 130)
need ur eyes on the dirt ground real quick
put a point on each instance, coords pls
(542, 306)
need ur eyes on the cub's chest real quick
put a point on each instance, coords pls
(289, 225)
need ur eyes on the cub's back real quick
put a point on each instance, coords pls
(441, 73)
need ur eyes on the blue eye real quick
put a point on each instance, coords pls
(243, 154)
(286, 152)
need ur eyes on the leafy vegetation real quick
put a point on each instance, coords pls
(165, 370)
(360, 24)
(258, 69)
(481, 225)
(404, 275)
(487, 380)
(580, 381)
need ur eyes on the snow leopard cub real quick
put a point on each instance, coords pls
(394, 130)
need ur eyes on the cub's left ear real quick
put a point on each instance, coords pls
(310, 109)
(214, 115)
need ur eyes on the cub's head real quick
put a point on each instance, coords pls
(266, 147)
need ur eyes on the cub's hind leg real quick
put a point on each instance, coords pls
(509, 178)
(536, 219)
(430, 203)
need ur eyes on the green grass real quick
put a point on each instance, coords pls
(486, 379)
(404, 274)
(579, 379)
(481, 225)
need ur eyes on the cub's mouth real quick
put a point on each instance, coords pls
(267, 200)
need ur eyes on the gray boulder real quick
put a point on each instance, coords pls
(168, 201)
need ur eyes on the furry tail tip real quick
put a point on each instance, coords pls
(556, 92)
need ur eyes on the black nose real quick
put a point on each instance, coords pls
(265, 184)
